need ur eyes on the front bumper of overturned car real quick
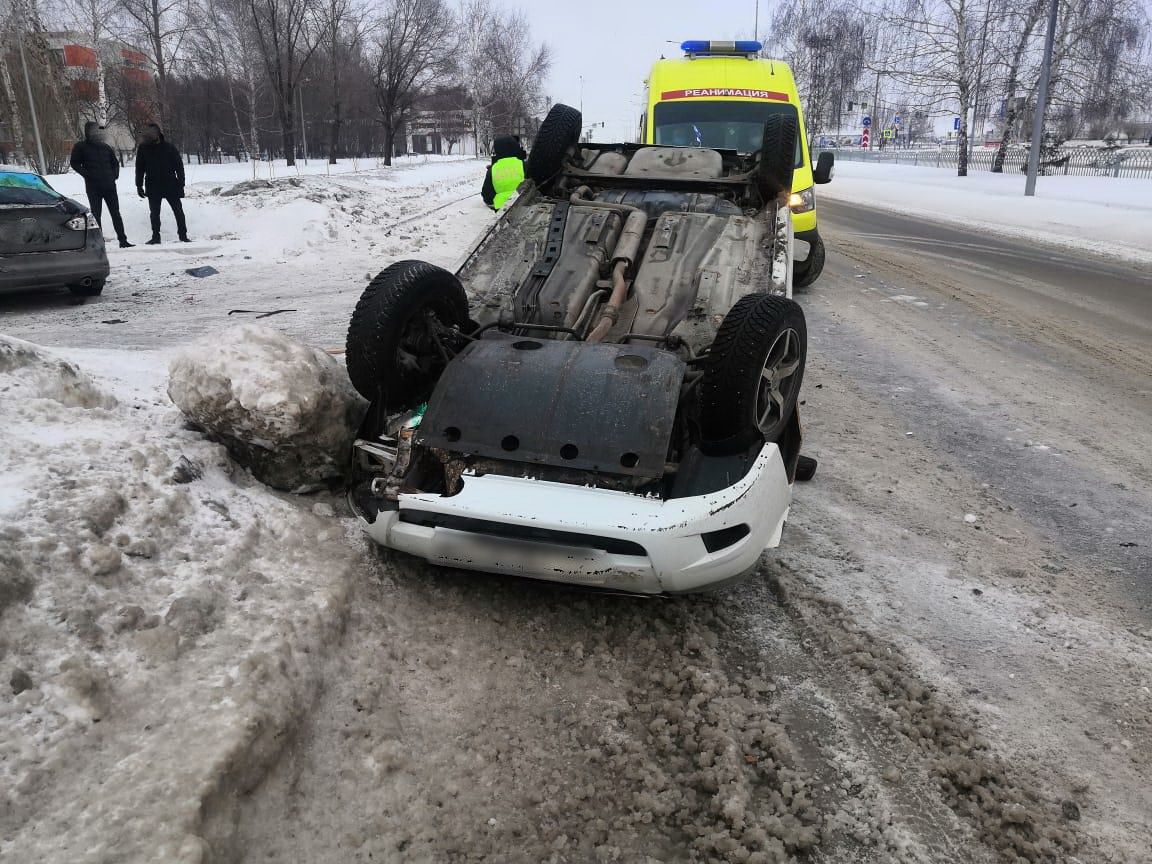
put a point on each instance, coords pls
(594, 537)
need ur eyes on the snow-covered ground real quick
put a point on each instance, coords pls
(306, 244)
(1100, 214)
(164, 614)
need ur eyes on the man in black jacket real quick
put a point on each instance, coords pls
(96, 162)
(160, 177)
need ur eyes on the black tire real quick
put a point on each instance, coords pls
(805, 469)
(739, 406)
(558, 134)
(388, 351)
(777, 156)
(808, 271)
(92, 289)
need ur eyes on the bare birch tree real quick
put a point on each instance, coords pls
(342, 29)
(287, 33)
(933, 57)
(1018, 24)
(516, 71)
(226, 50)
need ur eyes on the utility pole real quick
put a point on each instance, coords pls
(756, 26)
(876, 109)
(1041, 103)
(303, 125)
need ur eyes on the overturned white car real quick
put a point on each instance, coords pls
(605, 392)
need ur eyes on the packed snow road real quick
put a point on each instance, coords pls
(946, 661)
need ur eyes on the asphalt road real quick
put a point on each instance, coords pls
(990, 340)
(1113, 295)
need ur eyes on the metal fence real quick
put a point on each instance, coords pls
(1073, 162)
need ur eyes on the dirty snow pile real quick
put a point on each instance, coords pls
(286, 411)
(162, 617)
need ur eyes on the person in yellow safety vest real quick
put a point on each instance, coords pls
(506, 172)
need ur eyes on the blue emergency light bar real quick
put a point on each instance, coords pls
(706, 46)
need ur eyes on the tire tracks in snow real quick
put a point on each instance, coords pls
(471, 718)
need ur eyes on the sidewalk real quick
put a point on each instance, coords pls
(1097, 214)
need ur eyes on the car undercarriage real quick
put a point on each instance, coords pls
(605, 390)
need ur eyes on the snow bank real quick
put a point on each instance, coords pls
(162, 620)
(303, 247)
(286, 411)
(44, 377)
(1101, 214)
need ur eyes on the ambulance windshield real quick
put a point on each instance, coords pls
(722, 125)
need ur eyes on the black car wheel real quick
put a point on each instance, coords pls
(808, 271)
(777, 156)
(404, 331)
(89, 289)
(558, 134)
(753, 373)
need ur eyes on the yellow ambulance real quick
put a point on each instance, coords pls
(718, 95)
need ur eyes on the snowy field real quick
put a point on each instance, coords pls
(1101, 214)
(305, 243)
(164, 613)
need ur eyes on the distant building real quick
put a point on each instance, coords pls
(111, 83)
(442, 124)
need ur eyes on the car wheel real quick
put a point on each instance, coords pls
(403, 332)
(777, 157)
(558, 134)
(92, 289)
(753, 373)
(807, 272)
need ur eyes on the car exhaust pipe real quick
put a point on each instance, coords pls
(623, 258)
(86, 282)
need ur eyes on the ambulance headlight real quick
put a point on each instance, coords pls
(803, 201)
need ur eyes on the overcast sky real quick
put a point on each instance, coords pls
(612, 44)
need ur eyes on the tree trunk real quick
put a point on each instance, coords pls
(389, 139)
(334, 146)
(962, 143)
(13, 109)
(161, 67)
(1005, 139)
(288, 131)
(962, 133)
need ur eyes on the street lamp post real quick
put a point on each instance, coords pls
(1041, 103)
(43, 167)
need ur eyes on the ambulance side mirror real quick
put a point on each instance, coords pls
(825, 168)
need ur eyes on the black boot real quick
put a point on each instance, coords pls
(124, 244)
(184, 238)
(155, 241)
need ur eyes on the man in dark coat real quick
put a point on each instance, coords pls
(505, 172)
(96, 162)
(159, 178)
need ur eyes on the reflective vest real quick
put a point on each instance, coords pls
(507, 175)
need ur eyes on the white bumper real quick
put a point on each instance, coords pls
(675, 558)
